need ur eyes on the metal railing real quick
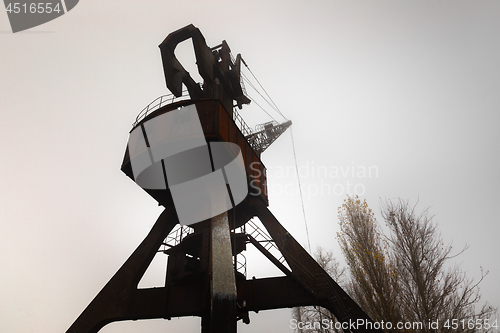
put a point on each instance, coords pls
(170, 98)
(241, 264)
(158, 103)
(242, 125)
(267, 242)
(176, 236)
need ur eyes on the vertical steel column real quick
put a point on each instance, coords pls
(222, 279)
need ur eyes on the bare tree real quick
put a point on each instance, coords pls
(403, 277)
(427, 290)
(373, 278)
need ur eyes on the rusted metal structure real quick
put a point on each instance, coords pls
(204, 277)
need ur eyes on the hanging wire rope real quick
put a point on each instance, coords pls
(265, 91)
(300, 191)
(258, 92)
(253, 100)
(275, 106)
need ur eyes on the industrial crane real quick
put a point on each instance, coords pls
(199, 142)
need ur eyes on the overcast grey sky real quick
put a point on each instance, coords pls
(408, 88)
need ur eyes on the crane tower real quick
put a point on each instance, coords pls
(193, 153)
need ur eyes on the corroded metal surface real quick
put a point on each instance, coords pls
(214, 65)
(200, 276)
(223, 284)
(217, 125)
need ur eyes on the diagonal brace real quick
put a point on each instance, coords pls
(311, 275)
(120, 299)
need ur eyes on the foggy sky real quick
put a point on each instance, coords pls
(407, 88)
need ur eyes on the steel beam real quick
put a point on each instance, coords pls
(120, 299)
(272, 293)
(311, 276)
(222, 279)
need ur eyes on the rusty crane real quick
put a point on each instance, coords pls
(204, 275)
